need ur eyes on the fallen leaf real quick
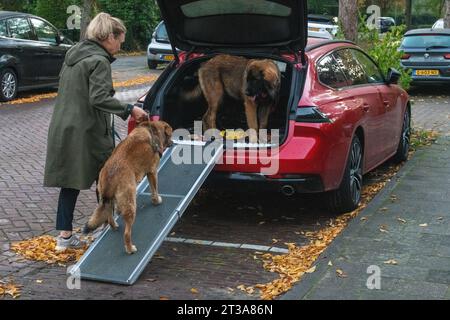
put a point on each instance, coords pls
(383, 209)
(230, 289)
(275, 240)
(401, 220)
(39, 281)
(391, 261)
(341, 273)
(423, 225)
(363, 219)
(440, 218)
(262, 222)
(383, 228)
(330, 263)
(150, 280)
(194, 291)
(311, 270)
(163, 298)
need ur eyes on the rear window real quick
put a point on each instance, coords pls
(426, 41)
(205, 8)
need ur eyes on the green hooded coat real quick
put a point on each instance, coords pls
(79, 136)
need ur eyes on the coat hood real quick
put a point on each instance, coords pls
(86, 49)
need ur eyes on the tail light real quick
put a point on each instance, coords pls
(447, 56)
(406, 56)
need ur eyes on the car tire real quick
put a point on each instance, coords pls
(8, 85)
(152, 65)
(346, 198)
(405, 139)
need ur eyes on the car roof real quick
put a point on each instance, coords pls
(11, 14)
(427, 31)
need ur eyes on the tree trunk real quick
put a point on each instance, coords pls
(86, 13)
(408, 13)
(447, 14)
(348, 17)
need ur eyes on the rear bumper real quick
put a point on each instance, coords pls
(255, 181)
(444, 73)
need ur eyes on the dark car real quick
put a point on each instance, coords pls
(385, 23)
(32, 52)
(338, 116)
(427, 53)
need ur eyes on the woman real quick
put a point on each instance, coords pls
(80, 138)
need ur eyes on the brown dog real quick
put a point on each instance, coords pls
(135, 157)
(255, 82)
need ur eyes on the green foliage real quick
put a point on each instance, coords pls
(55, 11)
(139, 16)
(386, 53)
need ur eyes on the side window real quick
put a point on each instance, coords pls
(330, 74)
(351, 67)
(3, 31)
(19, 28)
(373, 73)
(44, 31)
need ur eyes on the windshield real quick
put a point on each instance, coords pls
(426, 41)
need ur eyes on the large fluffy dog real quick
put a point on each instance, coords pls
(255, 82)
(135, 157)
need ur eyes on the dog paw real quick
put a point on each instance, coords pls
(156, 200)
(114, 226)
(133, 249)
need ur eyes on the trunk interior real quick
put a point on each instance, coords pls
(181, 113)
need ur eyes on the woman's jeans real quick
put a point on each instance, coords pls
(66, 207)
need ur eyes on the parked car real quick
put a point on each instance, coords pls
(32, 52)
(159, 50)
(385, 23)
(427, 53)
(438, 24)
(318, 23)
(338, 116)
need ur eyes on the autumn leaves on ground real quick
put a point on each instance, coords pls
(141, 80)
(290, 267)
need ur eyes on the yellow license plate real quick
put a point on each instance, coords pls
(427, 72)
(169, 57)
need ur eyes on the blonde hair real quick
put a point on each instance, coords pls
(103, 25)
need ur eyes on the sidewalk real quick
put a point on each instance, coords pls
(405, 231)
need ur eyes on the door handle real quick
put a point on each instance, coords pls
(366, 107)
(386, 103)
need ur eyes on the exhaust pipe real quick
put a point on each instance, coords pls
(288, 190)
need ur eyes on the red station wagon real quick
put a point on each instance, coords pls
(338, 115)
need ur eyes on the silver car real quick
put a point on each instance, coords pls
(159, 50)
(427, 53)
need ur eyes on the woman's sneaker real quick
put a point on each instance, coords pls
(73, 242)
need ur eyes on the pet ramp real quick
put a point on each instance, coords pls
(106, 259)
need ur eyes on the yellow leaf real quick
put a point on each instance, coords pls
(39, 281)
(311, 270)
(193, 290)
(391, 261)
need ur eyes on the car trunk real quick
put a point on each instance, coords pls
(182, 113)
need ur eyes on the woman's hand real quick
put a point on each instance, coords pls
(139, 114)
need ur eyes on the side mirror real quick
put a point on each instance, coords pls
(59, 39)
(393, 76)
